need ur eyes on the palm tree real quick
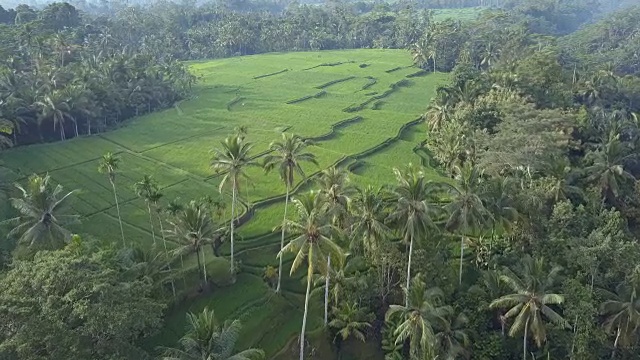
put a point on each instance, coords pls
(55, 108)
(368, 210)
(499, 201)
(287, 155)
(439, 112)
(622, 312)
(466, 209)
(419, 52)
(417, 318)
(41, 218)
(150, 264)
(109, 164)
(412, 209)
(450, 145)
(146, 189)
(232, 159)
(192, 229)
(335, 191)
(450, 338)
(559, 171)
(207, 339)
(350, 321)
(608, 167)
(312, 242)
(489, 54)
(531, 300)
(242, 131)
(491, 287)
(343, 274)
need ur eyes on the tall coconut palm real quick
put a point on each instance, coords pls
(608, 167)
(466, 211)
(368, 211)
(146, 189)
(350, 321)
(622, 312)
(417, 319)
(312, 242)
(500, 202)
(232, 159)
(109, 164)
(413, 210)
(451, 338)
(207, 339)
(558, 169)
(287, 155)
(192, 228)
(342, 272)
(41, 218)
(149, 190)
(335, 192)
(149, 264)
(438, 113)
(420, 52)
(56, 109)
(531, 300)
(489, 55)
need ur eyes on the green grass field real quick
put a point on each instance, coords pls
(310, 94)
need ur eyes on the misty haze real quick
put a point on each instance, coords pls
(311, 179)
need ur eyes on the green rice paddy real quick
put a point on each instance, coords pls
(359, 106)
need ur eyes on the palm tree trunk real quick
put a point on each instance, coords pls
(493, 235)
(153, 232)
(306, 303)
(164, 242)
(286, 204)
(115, 196)
(184, 280)
(406, 301)
(461, 258)
(199, 264)
(326, 291)
(524, 341)
(615, 343)
(233, 214)
(204, 268)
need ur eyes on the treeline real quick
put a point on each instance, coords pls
(611, 44)
(551, 124)
(63, 75)
(530, 250)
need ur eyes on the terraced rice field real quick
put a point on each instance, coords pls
(360, 107)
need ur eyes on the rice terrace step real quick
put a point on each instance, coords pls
(355, 113)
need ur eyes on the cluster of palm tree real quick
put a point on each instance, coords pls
(339, 218)
(341, 222)
(211, 31)
(72, 82)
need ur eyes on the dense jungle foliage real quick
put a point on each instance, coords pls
(530, 249)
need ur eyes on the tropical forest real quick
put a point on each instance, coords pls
(320, 179)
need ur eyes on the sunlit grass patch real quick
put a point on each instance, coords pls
(254, 92)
